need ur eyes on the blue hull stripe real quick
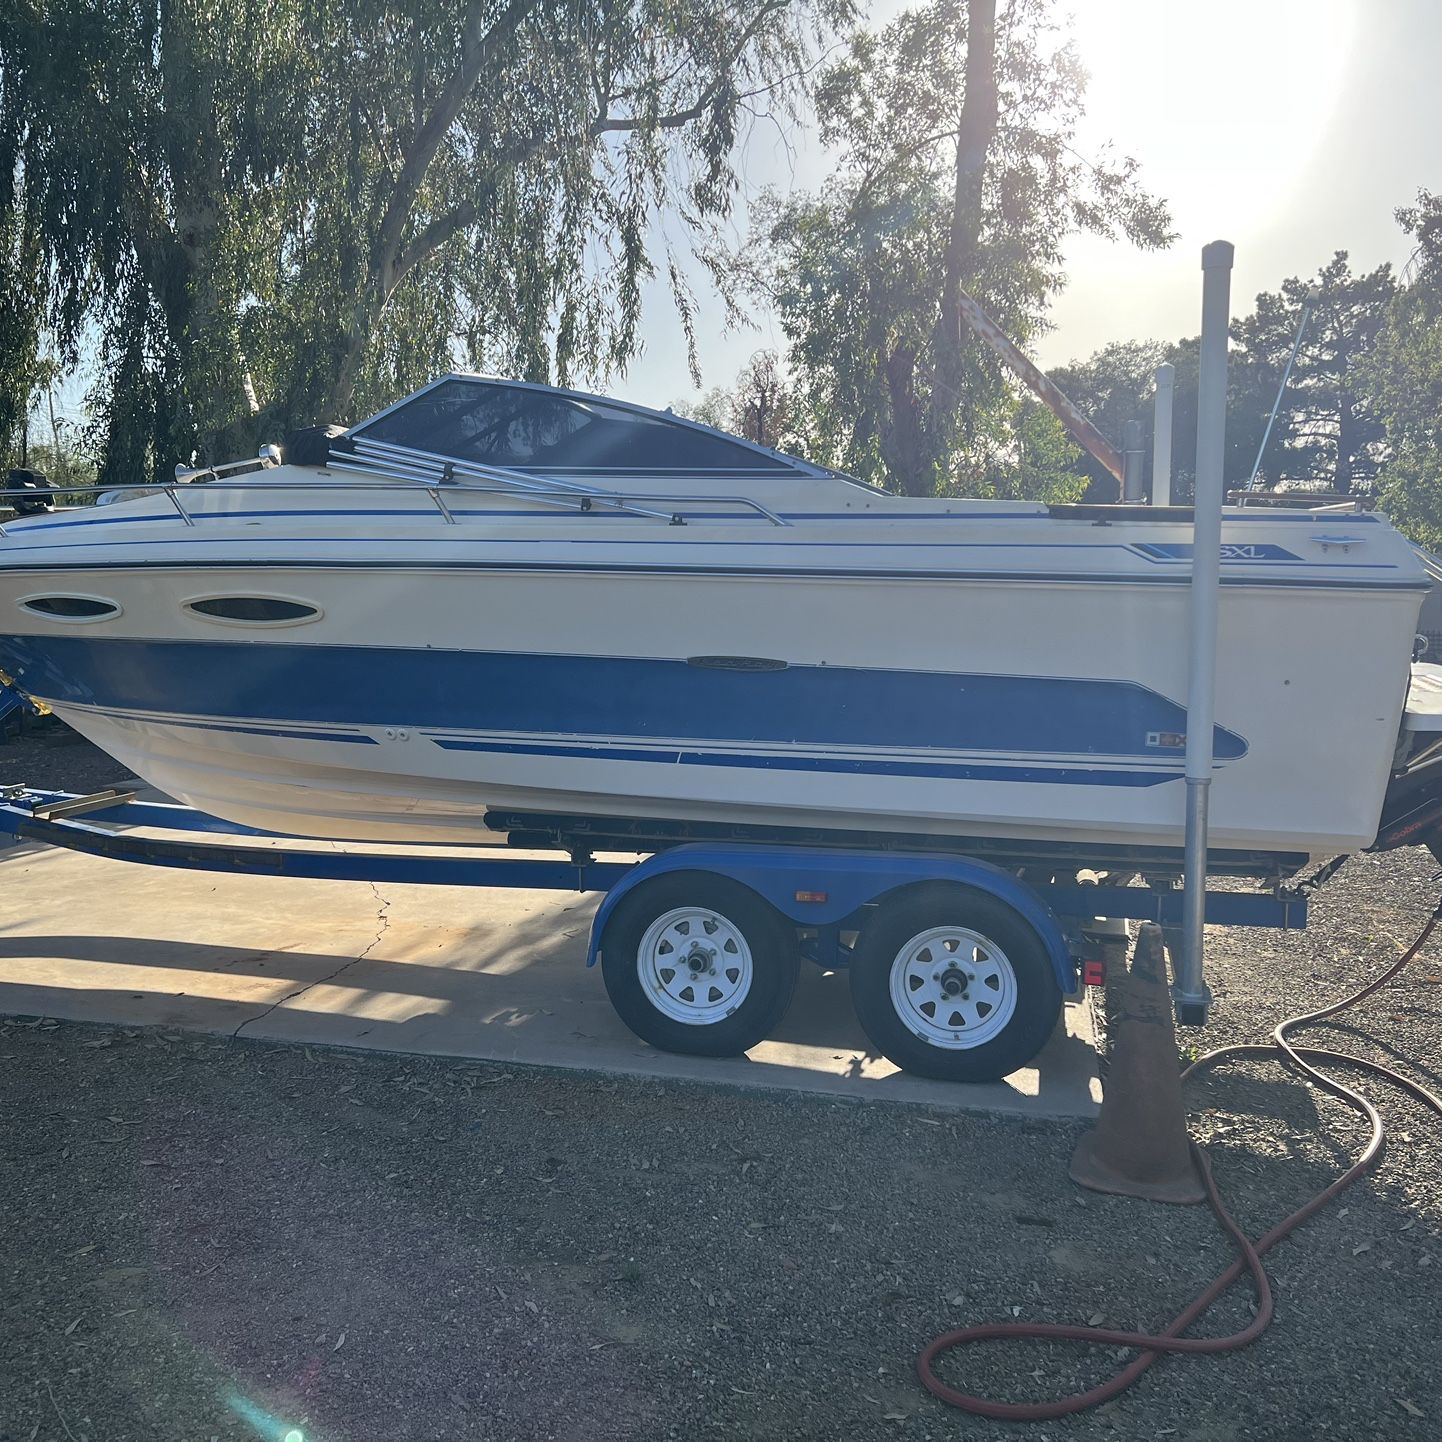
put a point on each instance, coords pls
(628, 698)
(852, 766)
(259, 729)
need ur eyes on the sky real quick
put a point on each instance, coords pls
(1292, 128)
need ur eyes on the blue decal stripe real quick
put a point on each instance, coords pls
(824, 707)
(1170, 760)
(254, 728)
(856, 766)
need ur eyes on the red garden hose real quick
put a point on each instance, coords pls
(1150, 1347)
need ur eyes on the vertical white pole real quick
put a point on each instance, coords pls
(1190, 992)
(1162, 436)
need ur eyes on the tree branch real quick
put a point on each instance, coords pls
(477, 51)
(445, 227)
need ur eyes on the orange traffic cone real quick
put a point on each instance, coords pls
(1139, 1146)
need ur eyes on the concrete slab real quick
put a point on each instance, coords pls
(496, 975)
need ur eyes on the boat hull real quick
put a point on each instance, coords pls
(808, 693)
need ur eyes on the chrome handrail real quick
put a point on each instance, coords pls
(370, 456)
(581, 500)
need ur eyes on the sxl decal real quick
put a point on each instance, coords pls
(1231, 551)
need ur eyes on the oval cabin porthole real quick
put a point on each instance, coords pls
(254, 610)
(70, 608)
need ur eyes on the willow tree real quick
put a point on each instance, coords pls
(317, 202)
(958, 173)
(135, 142)
(23, 367)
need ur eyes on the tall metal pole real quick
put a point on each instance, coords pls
(1190, 991)
(1162, 435)
(1312, 297)
(1134, 460)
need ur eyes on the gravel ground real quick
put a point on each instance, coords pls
(233, 1240)
(46, 754)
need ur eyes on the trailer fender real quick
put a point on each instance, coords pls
(821, 887)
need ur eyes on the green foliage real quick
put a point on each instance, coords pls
(325, 201)
(22, 367)
(957, 172)
(1405, 378)
(759, 406)
(1327, 435)
(1111, 388)
(1047, 465)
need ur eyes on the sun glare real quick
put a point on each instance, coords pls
(1224, 101)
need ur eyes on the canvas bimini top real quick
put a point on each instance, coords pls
(544, 430)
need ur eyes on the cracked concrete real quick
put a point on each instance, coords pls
(450, 971)
(384, 923)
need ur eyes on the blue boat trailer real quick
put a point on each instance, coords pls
(958, 967)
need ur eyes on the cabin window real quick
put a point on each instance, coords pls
(519, 428)
(71, 608)
(254, 610)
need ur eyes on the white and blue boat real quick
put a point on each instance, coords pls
(497, 606)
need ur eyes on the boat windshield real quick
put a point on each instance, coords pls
(535, 428)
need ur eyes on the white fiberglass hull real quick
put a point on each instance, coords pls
(1022, 677)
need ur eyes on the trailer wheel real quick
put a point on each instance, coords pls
(951, 983)
(698, 963)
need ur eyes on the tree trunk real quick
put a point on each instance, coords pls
(1346, 443)
(975, 132)
(916, 432)
(905, 447)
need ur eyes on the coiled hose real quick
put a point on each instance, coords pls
(1307, 1060)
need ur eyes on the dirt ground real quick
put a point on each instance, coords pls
(44, 753)
(235, 1240)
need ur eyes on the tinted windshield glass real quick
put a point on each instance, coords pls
(522, 429)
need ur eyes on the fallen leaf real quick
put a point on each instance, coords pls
(1095, 1320)
(339, 1343)
(73, 1325)
(1360, 1248)
(1411, 1409)
(893, 1416)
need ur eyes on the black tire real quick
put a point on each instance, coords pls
(769, 937)
(902, 918)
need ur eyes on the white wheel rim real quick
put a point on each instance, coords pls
(953, 988)
(694, 965)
